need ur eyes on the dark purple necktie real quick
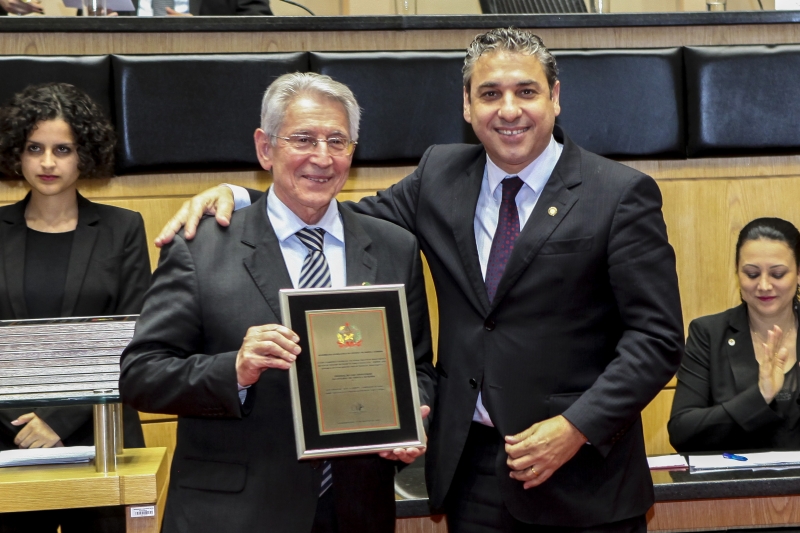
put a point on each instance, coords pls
(504, 237)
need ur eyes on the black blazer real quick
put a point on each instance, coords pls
(586, 323)
(108, 274)
(717, 405)
(235, 466)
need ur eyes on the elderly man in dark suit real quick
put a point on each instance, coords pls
(235, 467)
(559, 310)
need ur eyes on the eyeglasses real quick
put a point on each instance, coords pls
(304, 144)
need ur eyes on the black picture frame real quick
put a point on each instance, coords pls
(311, 441)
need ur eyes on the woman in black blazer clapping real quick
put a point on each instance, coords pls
(738, 383)
(62, 256)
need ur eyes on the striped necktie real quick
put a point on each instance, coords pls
(315, 273)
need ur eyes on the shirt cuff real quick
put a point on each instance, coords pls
(241, 198)
(242, 392)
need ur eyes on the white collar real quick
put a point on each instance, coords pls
(535, 175)
(286, 223)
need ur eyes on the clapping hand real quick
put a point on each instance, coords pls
(770, 367)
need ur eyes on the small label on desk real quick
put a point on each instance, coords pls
(138, 512)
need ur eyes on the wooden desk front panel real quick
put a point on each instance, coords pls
(705, 515)
(664, 517)
(52, 43)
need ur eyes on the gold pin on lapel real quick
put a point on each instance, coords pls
(731, 342)
(552, 211)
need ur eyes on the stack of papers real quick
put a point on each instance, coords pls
(667, 462)
(744, 461)
(47, 456)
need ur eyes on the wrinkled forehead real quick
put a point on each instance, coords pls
(315, 113)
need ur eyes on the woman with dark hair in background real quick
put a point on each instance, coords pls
(738, 382)
(62, 256)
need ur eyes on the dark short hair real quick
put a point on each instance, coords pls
(773, 229)
(94, 135)
(510, 40)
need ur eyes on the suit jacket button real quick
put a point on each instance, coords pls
(489, 324)
(473, 383)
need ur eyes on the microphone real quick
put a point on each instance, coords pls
(300, 6)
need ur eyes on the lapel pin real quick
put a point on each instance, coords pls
(731, 342)
(552, 211)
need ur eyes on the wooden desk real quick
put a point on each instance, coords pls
(139, 482)
(684, 501)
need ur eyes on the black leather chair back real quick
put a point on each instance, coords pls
(743, 100)
(192, 112)
(92, 74)
(533, 6)
(409, 100)
(626, 104)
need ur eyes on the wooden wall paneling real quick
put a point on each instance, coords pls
(654, 422)
(155, 417)
(161, 435)
(53, 43)
(704, 218)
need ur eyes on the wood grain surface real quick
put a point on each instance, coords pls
(141, 474)
(704, 515)
(54, 43)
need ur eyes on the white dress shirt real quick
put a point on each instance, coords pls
(286, 224)
(146, 7)
(534, 177)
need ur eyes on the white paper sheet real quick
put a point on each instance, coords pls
(787, 5)
(47, 456)
(667, 462)
(765, 460)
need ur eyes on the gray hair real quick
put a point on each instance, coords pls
(510, 40)
(289, 86)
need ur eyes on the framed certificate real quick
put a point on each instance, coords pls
(354, 385)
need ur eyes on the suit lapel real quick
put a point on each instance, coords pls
(13, 239)
(265, 265)
(741, 355)
(360, 264)
(465, 190)
(542, 223)
(81, 253)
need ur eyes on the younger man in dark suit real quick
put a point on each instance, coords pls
(235, 467)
